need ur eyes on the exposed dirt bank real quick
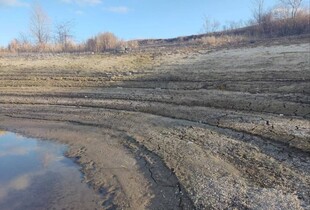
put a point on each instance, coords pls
(200, 129)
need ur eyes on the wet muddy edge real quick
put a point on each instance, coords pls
(136, 150)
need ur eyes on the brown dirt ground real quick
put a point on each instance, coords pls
(179, 128)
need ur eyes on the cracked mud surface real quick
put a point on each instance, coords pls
(178, 129)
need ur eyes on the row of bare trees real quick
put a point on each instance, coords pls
(287, 18)
(288, 8)
(41, 37)
(40, 29)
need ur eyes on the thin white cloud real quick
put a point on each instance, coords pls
(83, 2)
(119, 10)
(12, 3)
(19, 183)
(15, 151)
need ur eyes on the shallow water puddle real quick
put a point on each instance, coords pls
(35, 174)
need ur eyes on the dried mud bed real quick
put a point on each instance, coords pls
(178, 129)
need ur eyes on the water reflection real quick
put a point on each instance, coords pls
(2, 132)
(18, 183)
(35, 175)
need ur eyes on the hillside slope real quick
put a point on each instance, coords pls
(174, 129)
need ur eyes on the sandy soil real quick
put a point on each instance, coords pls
(174, 129)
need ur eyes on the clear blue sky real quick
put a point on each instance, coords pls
(128, 19)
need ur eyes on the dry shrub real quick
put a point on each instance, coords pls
(126, 46)
(13, 46)
(91, 45)
(302, 22)
(16, 46)
(106, 41)
(274, 25)
(209, 40)
(133, 44)
(103, 42)
(3, 51)
(121, 44)
(220, 40)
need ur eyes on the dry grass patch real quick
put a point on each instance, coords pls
(220, 40)
(103, 62)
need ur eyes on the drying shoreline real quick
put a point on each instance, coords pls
(178, 130)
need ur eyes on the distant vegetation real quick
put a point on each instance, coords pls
(108, 41)
(42, 38)
(287, 18)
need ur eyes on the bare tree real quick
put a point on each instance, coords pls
(24, 38)
(232, 25)
(294, 6)
(258, 10)
(280, 13)
(25, 43)
(210, 26)
(63, 34)
(39, 25)
(215, 25)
